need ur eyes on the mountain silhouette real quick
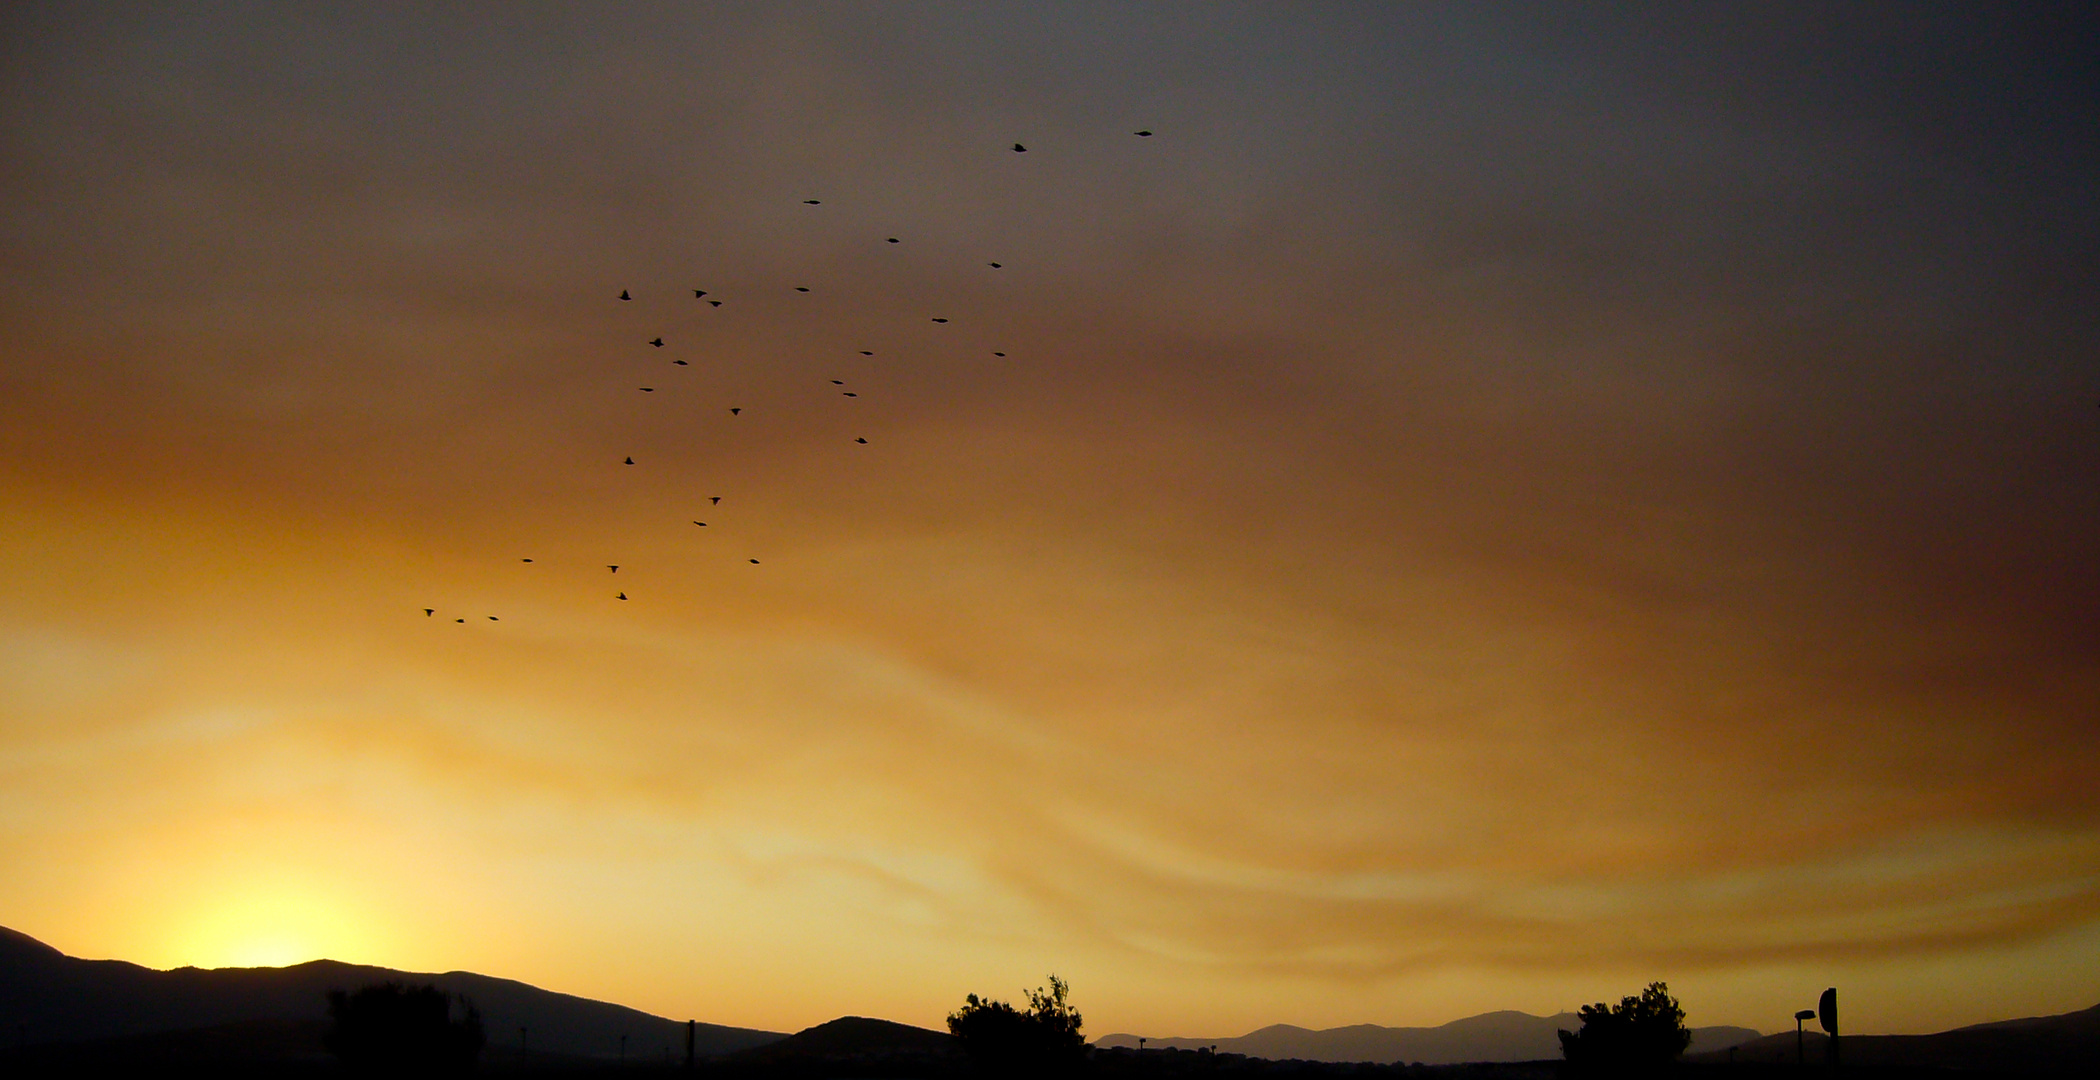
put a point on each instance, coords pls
(1495, 1036)
(859, 1043)
(2066, 1042)
(139, 1013)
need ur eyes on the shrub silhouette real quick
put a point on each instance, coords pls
(1004, 1040)
(395, 1028)
(1639, 1033)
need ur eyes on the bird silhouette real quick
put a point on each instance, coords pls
(799, 288)
(714, 500)
(624, 296)
(459, 620)
(492, 618)
(429, 611)
(680, 363)
(862, 441)
(894, 240)
(612, 568)
(658, 342)
(838, 382)
(940, 320)
(623, 596)
(754, 562)
(526, 560)
(630, 461)
(850, 393)
(865, 352)
(698, 293)
(994, 266)
(734, 411)
(811, 202)
(1142, 134)
(1019, 149)
(702, 524)
(998, 354)
(648, 389)
(715, 303)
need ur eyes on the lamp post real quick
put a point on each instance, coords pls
(1800, 1051)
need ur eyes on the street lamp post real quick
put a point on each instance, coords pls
(1800, 1050)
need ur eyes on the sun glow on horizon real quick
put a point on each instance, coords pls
(268, 923)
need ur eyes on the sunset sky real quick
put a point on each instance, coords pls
(1486, 507)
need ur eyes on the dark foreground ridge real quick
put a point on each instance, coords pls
(2068, 1043)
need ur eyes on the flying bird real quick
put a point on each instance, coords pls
(612, 568)
(754, 562)
(733, 411)
(1142, 134)
(492, 618)
(994, 266)
(698, 293)
(799, 288)
(940, 320)
(526, 560)
(459, 620)
(1019, 149)
(648, 389)
(998, 354)
(811, 202)
(838, 382)
(630, 461)
(714, 500)
(894, 240)
(850, 393)
(624, 296)
(658, 342)
(716, 303)
(429, 611)
(680, 363)
(702, 524)
(623, 596)
(865, 352)
(861, 441)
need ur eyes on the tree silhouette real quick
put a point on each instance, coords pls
(395, 1028)
(1645, 1032)
(1004, 1040)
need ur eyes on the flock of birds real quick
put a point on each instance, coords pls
(626, 296)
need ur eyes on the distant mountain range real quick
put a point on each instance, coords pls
(55, 1008)
(47, 997)
(1495, 1036)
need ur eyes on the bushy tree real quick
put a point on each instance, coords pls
(395, 1028)
(1645, 1032)
(1007, 1040)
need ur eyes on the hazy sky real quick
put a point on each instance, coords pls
(1486, 507)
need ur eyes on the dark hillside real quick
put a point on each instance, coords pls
(47, 997)
(2066, 1043)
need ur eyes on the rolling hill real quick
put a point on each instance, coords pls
(47, 998)
(2066, 1042)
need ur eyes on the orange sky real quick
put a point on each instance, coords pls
(1471, 515)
